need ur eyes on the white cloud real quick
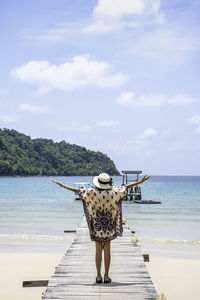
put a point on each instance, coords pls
(141, 141)
(138, 144)
(81, 72)
(100, 26)
(166, 45)
(129, 99)
(182, 100)
(73, 127)
(153, 100)
(108, 123)
(58, 34)
(149, 132)
(26, 107)
(62, 32)
(126, 99)
(196, 131)
(177, 145)
(9, 118)
(195, 119)
(109, 14)
(43, 90)
(126, 147)
(135, 145)
(3, 92)
(166, 132)
(118, 8)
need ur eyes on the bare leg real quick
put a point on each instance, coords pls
(99, 249)
(106, 259)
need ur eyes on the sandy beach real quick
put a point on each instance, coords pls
(16, 267)
(177, 278)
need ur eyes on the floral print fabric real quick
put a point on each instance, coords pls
(103, 212)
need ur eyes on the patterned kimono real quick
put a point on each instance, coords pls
(103, 211)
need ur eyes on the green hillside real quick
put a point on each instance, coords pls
(21, 155)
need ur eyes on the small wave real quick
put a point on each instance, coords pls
(162, 219)
(33, 236)
(170, 241)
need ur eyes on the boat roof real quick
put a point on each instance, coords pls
(81, 183)
(132, 172)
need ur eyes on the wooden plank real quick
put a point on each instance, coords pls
(132, 172)
(74, 277)
(146, 257)
(34, 283)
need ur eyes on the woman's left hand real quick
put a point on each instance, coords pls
(145, 178)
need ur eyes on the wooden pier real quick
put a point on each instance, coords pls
(74, 277)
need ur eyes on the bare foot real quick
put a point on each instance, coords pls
(99, 279)
(107, 279)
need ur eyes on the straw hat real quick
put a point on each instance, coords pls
(103, 181)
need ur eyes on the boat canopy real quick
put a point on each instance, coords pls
(82, 184)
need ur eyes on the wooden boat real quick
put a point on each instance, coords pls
(135, 193)
(146, 202)
(80, 185)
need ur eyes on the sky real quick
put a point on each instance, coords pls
(116, 76)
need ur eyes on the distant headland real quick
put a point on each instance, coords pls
(22, 156)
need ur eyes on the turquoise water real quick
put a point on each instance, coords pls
(34, 212)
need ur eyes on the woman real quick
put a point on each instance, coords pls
(103, 211)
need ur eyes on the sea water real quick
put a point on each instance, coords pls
(34, 212)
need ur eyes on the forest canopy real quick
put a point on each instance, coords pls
(20, 155)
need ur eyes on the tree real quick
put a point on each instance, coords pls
(21, 155)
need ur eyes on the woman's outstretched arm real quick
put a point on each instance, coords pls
(66, 187)
(138, 182)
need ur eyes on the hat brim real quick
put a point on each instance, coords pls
(100, 185)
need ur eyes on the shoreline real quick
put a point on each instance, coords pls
(119, 175)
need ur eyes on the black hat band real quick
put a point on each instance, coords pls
(102, 182)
